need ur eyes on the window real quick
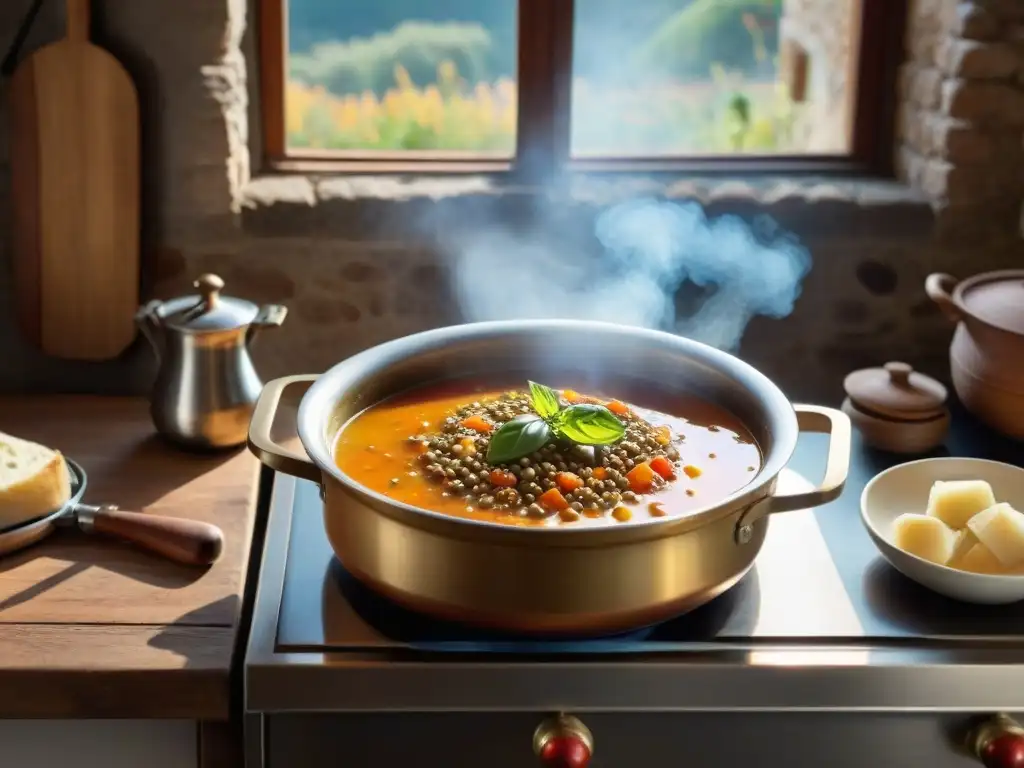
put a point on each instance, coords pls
(528, 86)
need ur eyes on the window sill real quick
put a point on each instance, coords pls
(416, 208)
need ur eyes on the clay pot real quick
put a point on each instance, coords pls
(897, 409)
(987, 354)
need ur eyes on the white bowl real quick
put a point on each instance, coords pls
(904, 488)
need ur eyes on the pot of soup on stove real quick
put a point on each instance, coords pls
(552, 477)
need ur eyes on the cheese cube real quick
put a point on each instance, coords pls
(955, 502)
(1001, 529)
(927, 537)
(979, 559)
(962, 544)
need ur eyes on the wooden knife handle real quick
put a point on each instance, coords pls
(185, 541)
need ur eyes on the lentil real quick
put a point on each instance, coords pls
(586, 475)
(445, 446)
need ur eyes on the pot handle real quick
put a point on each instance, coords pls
(810, 418)
(268, 450)
(836, 424)
(939, 287)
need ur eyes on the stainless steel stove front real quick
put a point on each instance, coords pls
(821, 659)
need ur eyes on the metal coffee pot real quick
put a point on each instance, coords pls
(207, 386)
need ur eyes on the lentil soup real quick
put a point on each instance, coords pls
(429, 448)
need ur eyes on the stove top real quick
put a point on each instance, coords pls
(818, 576)
(325, 607)
(818, 597)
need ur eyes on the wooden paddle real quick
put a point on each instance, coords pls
(75, 191)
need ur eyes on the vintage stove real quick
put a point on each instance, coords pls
(821, 655)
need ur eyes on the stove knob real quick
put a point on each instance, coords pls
(563, 741)
(998, 743)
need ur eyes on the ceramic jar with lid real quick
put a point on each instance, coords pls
(897, 409)
(986, 357)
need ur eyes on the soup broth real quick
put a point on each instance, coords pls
(429, 448)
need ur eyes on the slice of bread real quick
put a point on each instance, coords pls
(34, 481)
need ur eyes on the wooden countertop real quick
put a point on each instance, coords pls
(94, 628)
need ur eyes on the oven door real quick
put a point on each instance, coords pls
(626, 740)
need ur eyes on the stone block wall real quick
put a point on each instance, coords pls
(344, 255)
(962, 119)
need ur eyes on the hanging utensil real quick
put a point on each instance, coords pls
(75, 188)
(184, 541)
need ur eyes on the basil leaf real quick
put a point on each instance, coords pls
(544, 400)
(516, 438)
(589, 424)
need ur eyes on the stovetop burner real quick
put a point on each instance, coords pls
(418, 630)
(423, 632)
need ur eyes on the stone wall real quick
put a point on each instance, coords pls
(344, 255)
(962, 118)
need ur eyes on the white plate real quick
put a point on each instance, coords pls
(904, 488)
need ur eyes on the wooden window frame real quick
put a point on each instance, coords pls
(544, 87)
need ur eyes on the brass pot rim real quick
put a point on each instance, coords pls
(320, 400)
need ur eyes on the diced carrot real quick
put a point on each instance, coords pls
(656, 509)
(663, 467)
(568, 482)
(617, 407)
(622, 514)
(641, 478)
(692, 471)
(502, 479)
(663, 435)
(600, 473)
(477, 423)
(468, 446)
(571, 395)
(553, 499)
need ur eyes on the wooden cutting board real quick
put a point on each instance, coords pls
(75, 191)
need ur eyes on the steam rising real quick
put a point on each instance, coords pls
(650, 249)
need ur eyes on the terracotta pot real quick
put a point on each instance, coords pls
(987, 354)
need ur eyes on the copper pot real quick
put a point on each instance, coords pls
(558, 579)
(986, 356)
